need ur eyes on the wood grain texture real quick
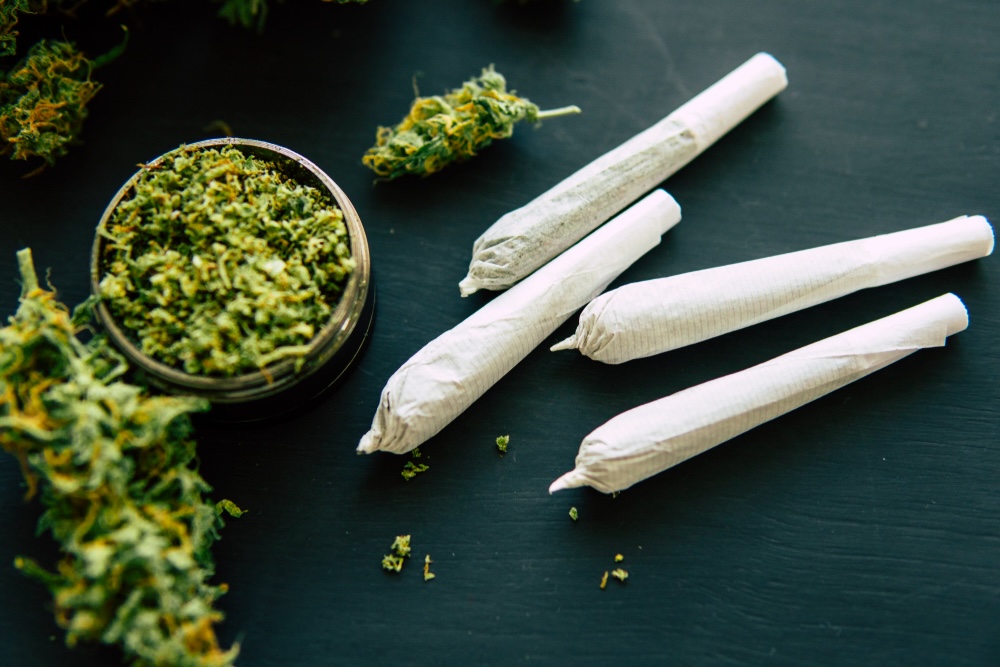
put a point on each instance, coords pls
(858, 530)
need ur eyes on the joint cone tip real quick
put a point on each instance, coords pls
(570, 480)
(367, 444)
(467, 286)
(568, 344)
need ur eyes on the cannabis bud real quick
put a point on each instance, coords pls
(43, 101)
(440, 130)
(117, 472)
(9, 10)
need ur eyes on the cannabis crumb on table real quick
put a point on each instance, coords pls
(399, 552)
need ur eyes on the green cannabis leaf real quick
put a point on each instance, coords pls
(218, 264)
(440, 130)
(122, 495)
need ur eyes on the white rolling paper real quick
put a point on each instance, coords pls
(445, 377)
(526, 238)
(653, 437)
(646, 318)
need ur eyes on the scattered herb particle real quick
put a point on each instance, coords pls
(218, 264)
(401, 545)
(573, 513)
(123, 498)
(604, 580)
(502, 442)
(428, 575)
(440, 130)
(411, 470)
(392, 563)
(619, 574)
(619, 558)
(230, 508)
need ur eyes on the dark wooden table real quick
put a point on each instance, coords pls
(860, 529)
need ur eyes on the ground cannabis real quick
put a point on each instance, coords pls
(573, 513)
(217, 264)
(428, 575)
(440, 130)
(43, 101)
(604, 580)
(116, 471)
(619, 574)
(619, 558)
(502, 442)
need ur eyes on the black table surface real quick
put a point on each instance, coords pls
(859, 529)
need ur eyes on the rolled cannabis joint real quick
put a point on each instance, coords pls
(653, 316)
(524, 239)
(649, 439)
(445, 377)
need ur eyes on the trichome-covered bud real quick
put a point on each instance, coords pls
(9, 10)
(43, 101)
(440, 130)
(117, 472)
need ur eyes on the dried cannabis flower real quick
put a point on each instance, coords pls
(573, 513)
(9, 10)
(440, 130)
(428, 575)
(502, 442)
(218, 264)
(43, 101)
(116, 469)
